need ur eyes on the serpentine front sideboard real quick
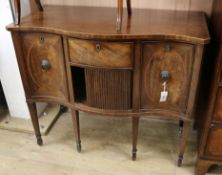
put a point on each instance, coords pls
(74, 56)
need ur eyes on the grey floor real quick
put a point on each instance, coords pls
(106, 149)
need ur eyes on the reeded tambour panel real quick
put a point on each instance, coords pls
(108, 89)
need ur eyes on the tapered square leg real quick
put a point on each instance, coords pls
(39, 5)
(135, 129)
(35, 122)
(186, 126)
(75, 120)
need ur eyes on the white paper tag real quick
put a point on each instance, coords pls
(163, 96)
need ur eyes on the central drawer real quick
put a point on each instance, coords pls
(100, 54)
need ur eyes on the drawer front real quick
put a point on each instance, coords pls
(218, 106)
(44, 64)
(214, 142)
(101, 54)
(171, 63)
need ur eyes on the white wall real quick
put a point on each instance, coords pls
(197, 5)
(9, 72)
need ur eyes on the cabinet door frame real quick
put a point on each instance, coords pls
(30, 96)
(191, 60)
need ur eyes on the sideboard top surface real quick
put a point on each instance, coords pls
(100, 23)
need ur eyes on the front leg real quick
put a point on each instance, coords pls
(75, 120)
(135, 129)
(185, 130)
(35, 122)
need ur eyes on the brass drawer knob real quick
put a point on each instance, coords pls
(45, 64)
(98, 47)
(212, 125)
(165, 75)
(41, 39)
(167, 48)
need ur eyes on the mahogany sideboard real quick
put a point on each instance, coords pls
(74, 56)
(210, 115)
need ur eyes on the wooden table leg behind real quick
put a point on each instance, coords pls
(75, 120)
(17, 12)
(129, 8)
(135, 129)
(35, 122)
(39, 5)
(119, 15)
(120, 12)
(183, 141)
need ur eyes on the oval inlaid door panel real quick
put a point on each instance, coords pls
(166, 75)
(44, 61)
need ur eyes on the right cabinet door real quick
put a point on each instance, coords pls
(166, 75)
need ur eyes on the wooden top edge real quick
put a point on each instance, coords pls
(186, 39)
(99, 23)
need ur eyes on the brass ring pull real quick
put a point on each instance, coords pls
(45, 64)
(165, 75)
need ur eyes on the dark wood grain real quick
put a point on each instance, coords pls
(95, 22)
(48, 83)
(178, 61)
(101, 54)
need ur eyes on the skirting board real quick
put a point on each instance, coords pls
(46, 121)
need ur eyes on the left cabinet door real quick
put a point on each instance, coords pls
(44, 65)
